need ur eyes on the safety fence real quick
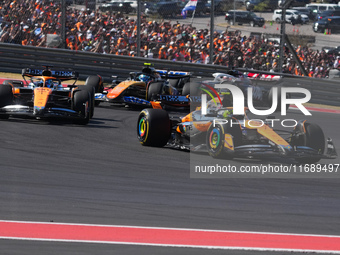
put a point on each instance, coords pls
(13, 58)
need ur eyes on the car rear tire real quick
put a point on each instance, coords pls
(313, 138)
(278, 20)
(6, 98)
(96, 82)
(191, 88)
(153, 127)
(154, 89)
(80, 99)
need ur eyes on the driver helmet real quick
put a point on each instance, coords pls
(144, 78)
(49, 83)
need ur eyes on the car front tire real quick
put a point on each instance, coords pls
(6, 98)
(153, 127)
(313, 138)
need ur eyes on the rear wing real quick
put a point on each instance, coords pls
(173, 74)
(62, 75)
(165, 73)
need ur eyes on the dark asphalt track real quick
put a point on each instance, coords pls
(100, 174)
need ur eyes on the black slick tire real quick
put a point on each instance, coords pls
(153, 127)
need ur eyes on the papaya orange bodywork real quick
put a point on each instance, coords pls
(116, 91)
(228, 142)
(156, 105)
(41, 96)
(266, 131)
(200, 125)
(187, 118)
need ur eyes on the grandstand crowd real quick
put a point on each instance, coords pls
(27, 22)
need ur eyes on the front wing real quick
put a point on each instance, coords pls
(22, 110)
(263, 150)
(180, 101)
(258, 151)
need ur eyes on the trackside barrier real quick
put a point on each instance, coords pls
(13, 58)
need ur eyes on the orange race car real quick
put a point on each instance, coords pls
(225, 135)
(44, 96)
(150, 87)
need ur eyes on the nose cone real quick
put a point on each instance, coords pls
(41, 96)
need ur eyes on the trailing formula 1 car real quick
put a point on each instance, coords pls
(225, 135)
(261, 97)
(44, 96)
(150, 88)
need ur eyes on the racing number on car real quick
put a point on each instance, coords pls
(41, 96)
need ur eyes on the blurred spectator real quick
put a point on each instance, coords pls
(28, 22)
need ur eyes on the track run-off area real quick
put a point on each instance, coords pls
(70, 189)
(168, 237)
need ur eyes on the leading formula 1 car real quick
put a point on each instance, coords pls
(244, 138)
(44, 96)
(150, 88)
